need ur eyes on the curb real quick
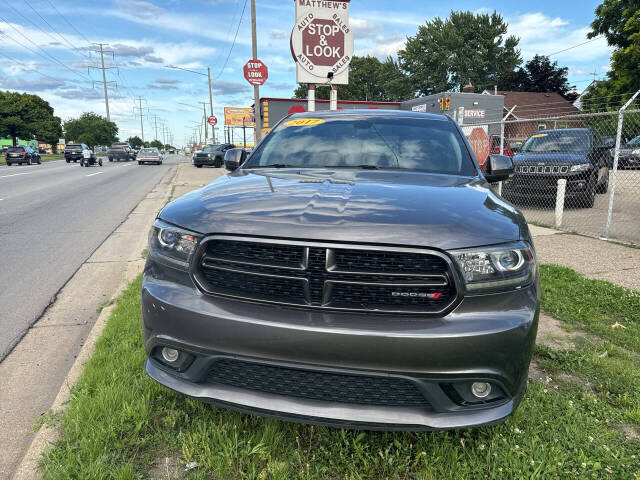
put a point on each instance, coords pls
(46, 436)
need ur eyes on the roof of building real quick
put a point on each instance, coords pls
(537, 104)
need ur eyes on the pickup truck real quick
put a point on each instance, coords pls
(73, 152)
(121, 151)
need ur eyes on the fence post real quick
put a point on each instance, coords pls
(560, 192)
(616, 156)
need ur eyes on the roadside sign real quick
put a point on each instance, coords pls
(256, 72)
(479, 141)
(322, 42)
(212, 120)
(238, 117)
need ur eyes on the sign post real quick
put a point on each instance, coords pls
(322, 46)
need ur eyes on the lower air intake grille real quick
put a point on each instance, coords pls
(315, 385)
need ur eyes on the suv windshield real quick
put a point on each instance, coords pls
(361, 141)
(210, 148)
(635, 141)
(558, 141)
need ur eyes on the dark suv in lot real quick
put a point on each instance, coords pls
(573, 154)
(22, 155)
(212, 155)
(73, 152)
(357, 270)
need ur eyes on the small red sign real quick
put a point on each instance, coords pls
(256, 72)
(212, 120)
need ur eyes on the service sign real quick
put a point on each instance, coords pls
(322, 41)
(238, 117)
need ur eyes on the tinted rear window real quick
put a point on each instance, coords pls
(15, 149)
(74, 145)
(408, 143)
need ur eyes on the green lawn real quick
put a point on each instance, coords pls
(120, 424)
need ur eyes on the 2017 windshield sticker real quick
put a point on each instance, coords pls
(304, 122)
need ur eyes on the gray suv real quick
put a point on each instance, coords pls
(356, 270)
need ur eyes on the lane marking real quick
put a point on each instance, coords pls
(16, 174)
(92, 174)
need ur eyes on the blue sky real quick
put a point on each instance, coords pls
(52, 57)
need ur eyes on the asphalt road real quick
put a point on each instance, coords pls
(52, 217)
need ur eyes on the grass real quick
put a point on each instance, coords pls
(120, 424)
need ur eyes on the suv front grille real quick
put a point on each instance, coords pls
(542, 169)
(318, 385)
(319, 276)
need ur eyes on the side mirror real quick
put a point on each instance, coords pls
(499, 168)
(234, 158)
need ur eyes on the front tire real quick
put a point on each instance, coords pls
(111, 159)
(100, 162)
(198, 166)
(604, 186)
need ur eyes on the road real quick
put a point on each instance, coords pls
(52, 217)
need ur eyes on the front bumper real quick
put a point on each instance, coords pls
(544, 187)
(486, 338)
(203, 161)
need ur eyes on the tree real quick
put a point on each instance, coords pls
(446, 54)
(539, 75)
(135, 141)
(28, 116)
(92, 129)
(369, 80)
(156, 144)
(619, 22)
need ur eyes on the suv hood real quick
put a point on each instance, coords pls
(551, 158)
(397, 208)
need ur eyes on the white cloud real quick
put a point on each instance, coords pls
(276, 34)
(364, 28)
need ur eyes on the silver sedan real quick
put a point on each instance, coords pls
(149, 155)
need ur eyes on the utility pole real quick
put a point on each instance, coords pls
(104, 76)
(204, 118)
(141, 115)
(256, 89)
(155, 122)
(213, 130)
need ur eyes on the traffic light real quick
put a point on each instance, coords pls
(447, 103)
(441, 102)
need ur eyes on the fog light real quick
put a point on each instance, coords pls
(479, 389)
(170, 355)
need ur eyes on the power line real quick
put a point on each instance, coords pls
(234, 40)
(574, 46)
(68, 22)
(50, 26)
(39, 47)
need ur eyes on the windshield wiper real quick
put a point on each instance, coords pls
(364, 167)
(275, 165)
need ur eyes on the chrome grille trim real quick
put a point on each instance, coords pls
(319, 282)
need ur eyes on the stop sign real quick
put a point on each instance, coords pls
(256, 72)
(212, 120)
(479, 141)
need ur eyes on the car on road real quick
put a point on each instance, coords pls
(572, 154)
(73, 152)
(211, 155)
(121, 151)
(356, 270)
(630, 154)
(22, 154)
(149, 155)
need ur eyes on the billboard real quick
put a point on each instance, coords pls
(322, 41)
(236, 116)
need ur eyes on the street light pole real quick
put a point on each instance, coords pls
(256, 89)
(213, 130)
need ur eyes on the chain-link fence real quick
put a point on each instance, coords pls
(579, 173)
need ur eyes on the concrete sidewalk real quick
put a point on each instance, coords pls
(593, 258)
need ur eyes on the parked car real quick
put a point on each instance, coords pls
(88, 158)
(149, 155)
(573, 154)
(22, 154)
(121, 151)
(630, 154)
(494, 141)
(212, 155)
(355, 270)
(73, 152)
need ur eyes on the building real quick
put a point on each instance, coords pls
(527, 112)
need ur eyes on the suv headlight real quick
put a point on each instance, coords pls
(171, 245)
(497, 268)
(583, 167)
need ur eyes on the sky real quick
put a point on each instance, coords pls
(47, 48)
